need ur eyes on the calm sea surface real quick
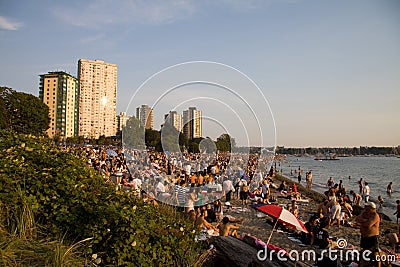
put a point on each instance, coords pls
(377, 171)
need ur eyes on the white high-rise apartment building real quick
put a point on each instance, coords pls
(97, 98)
(121, 120)
(192, 123)
(145, 114)
(175, 119)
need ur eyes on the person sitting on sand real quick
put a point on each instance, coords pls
(201, 222)
(266, 191)
(392, 239)
(282, 186)
(356, 198)
(211, 216)
(322, 239)
(311, 225)
(225, 228)
(293, 188)
(293, 208)
(219, 212)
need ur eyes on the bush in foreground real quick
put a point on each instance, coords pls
(43, 186)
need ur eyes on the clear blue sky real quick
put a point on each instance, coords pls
(329, 69)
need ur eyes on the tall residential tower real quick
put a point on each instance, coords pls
(145, 114)
(59, 91)
(97, 98)
(192, 123)
(175, 119)
(122, 118)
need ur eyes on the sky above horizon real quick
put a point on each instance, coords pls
(329, 70)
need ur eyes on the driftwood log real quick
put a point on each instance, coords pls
(230, 251)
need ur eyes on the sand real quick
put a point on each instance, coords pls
(255, 224)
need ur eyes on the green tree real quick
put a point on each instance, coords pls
(25, 113)
(170, 138)
(133, 134)
(152, 137)
(193, 147)
(225, 142)
(183, 141)
(3, 115)
(207, 146)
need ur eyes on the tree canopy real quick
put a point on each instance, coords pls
(23, 113)
(225, 142)
(133, 134)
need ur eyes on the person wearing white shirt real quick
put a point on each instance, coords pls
(227, 188)
(366, 192)
(160, 188)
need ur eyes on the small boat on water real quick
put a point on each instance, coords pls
(328, 156)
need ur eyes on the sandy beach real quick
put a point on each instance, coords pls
(255, 223)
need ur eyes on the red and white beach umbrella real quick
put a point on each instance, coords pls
(283, 216)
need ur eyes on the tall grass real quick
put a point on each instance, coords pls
(21, 251)
(20, 220)
(22, 244)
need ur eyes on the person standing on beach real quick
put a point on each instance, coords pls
(360, 186)
(369, 222)
(334, 214)
(228, 188)
(389, 189)
(309, 180)
(366, 192)
(397, 212)
(299, 177)
(380, 199)
(180, 193)
(330, 183)
(243, 191)
(356, 198)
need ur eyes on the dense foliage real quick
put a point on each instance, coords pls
(68, 198)
(133, 134)
(225, 143)
(23, 113)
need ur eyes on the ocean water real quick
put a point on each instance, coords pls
(377, 171)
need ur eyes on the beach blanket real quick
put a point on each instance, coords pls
(297, 241)
(204, 235)
(239, 209)
(259, 244)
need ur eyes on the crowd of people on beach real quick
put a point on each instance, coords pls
(202, 186)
